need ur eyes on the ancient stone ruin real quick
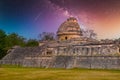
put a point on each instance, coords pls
(71, 50)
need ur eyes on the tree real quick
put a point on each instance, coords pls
(14, 39)
(2, 43)
(2, 53)
(47, 36)
(89, 34)
(2, 39)
(32, 43)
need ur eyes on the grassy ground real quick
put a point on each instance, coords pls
(20, 73)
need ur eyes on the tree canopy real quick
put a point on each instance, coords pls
(32, 43)
(7, 41)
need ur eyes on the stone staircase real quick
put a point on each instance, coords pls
(20, 53)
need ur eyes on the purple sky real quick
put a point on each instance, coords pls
(31, 17)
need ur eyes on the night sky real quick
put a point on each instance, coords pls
(28, 18)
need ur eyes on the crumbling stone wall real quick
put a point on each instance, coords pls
(88, 50)
(65, 56)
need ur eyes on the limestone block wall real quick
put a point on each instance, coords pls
(12, 62)
(45, 63)
(101, 62)
(91, 62)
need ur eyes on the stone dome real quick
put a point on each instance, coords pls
(69, 29)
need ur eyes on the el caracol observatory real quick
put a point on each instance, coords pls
(71, 50)
(69, 29)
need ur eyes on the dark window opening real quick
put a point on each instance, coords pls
(49, 53)
(119, 50)
(66, 38)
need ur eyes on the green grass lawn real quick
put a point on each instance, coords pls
(20, 73)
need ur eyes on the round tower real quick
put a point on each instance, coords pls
(69, 29)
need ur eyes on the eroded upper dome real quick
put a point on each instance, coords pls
(69, 27)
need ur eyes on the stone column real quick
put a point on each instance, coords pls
(89, 53)
(57, 50)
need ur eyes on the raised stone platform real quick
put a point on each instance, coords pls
(91, 62)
